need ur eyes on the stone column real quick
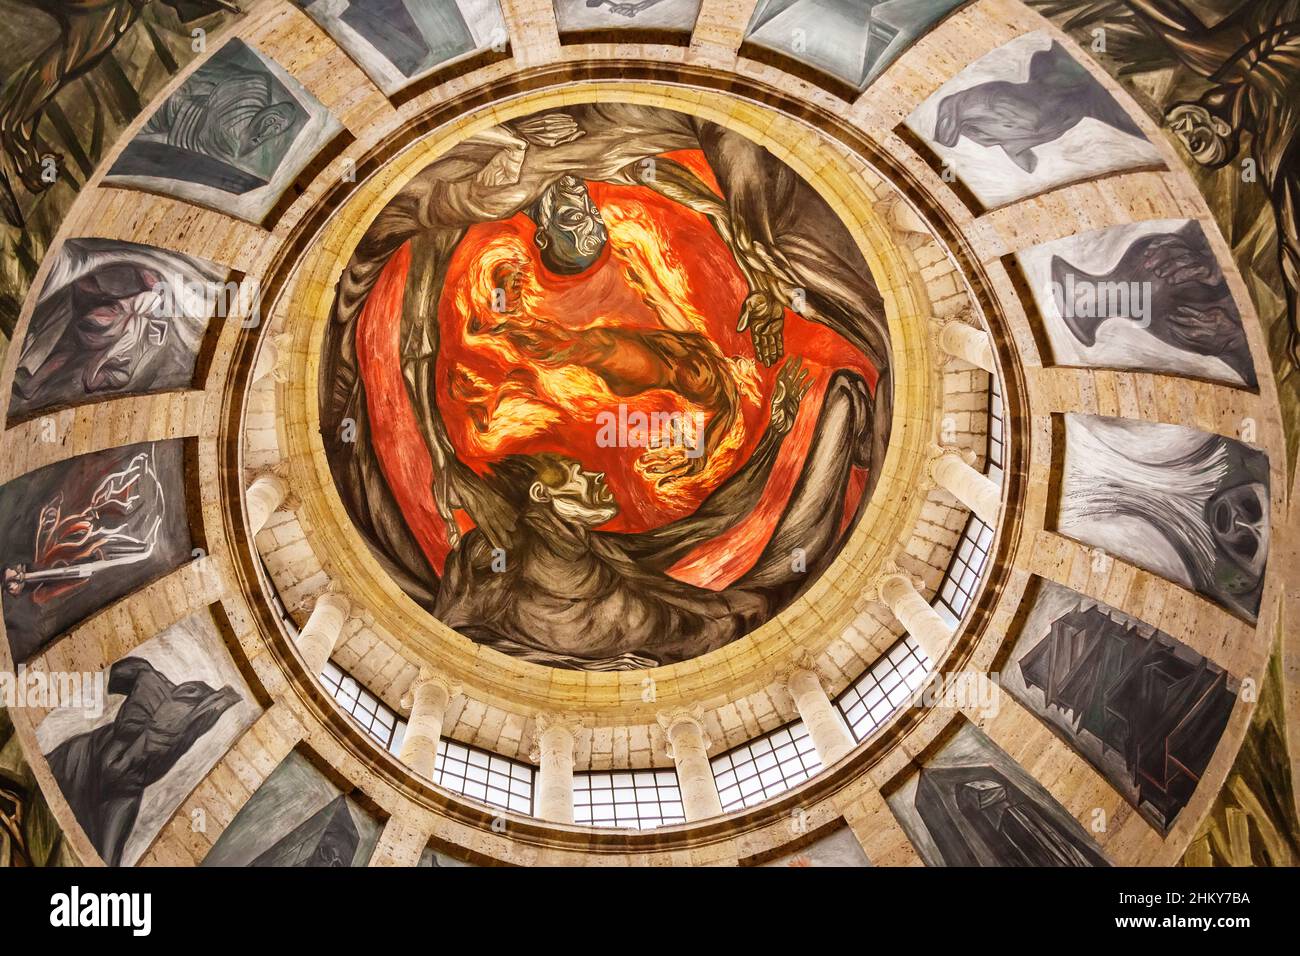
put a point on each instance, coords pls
(952, 471)
(318, 636)
(429, 696)
(553, 754)
(897, 591)
(689, 749)
(830, 735)
(262, 498)
(968, 344)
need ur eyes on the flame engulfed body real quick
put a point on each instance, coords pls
(532, 362)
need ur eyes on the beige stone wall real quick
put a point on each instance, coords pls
(963, 268)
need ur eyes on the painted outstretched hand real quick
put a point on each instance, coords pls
(792, 383)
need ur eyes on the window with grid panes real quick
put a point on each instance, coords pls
(997, 429)
(966, 568)
(886, 686)
(639, 799)
(761, 769)
(375, 717)
(484, 776)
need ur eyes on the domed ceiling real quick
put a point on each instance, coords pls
(485, 431)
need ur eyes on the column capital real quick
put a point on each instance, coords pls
(890, 579)
(962, 337)
(802, 663)
(273, 477)
(427, 677)
(677, 717)
(938, 323)
(280, 344)
(938, 451)
(546, 721)
(332, 599)
(282, 470)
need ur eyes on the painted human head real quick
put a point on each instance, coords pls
(267, 124)
(1205, 130)
(575, 495)
(570, 232)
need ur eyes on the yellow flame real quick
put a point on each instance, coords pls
(522, 411)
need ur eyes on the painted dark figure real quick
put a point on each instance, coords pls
(224, 114)
(88, 32)
(228, 127)
(103, 773)
(1211, 505)
(1162, 711)
(328, 838)
(571, 595)
(390, 27)
(1018, 117)
(977, 817)
(114, 327)
(81, 533)
(1252, 62)
(1190, 307)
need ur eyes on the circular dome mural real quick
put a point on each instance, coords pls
(606, 387)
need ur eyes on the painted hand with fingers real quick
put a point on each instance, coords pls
(764, 315)
(792, 383)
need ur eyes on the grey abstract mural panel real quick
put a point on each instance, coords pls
(1141, 707)
(172, 708)
(575, 15)
(972, 805)
(839, 848)
(398, 41)
(81, 533)
(1186, 505)
(1027, 118)
(852, 40)
(233, 137)
(1146, 295)
(114, 318)
(297, 817)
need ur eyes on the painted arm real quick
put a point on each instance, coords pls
(736, 497)
(770, 277)
(455, 485)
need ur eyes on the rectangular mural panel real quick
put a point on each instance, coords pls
(1144, 709)
(1027, 118)
(297, 817)
(1178, 502)
(232, 138)
(852, 40)
(398, 41)
(173, 707)
(1145, 295)
(972, 805)
(575, 15)
(434, 859)
(838, 848)
(115, 318)
(79, 534)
